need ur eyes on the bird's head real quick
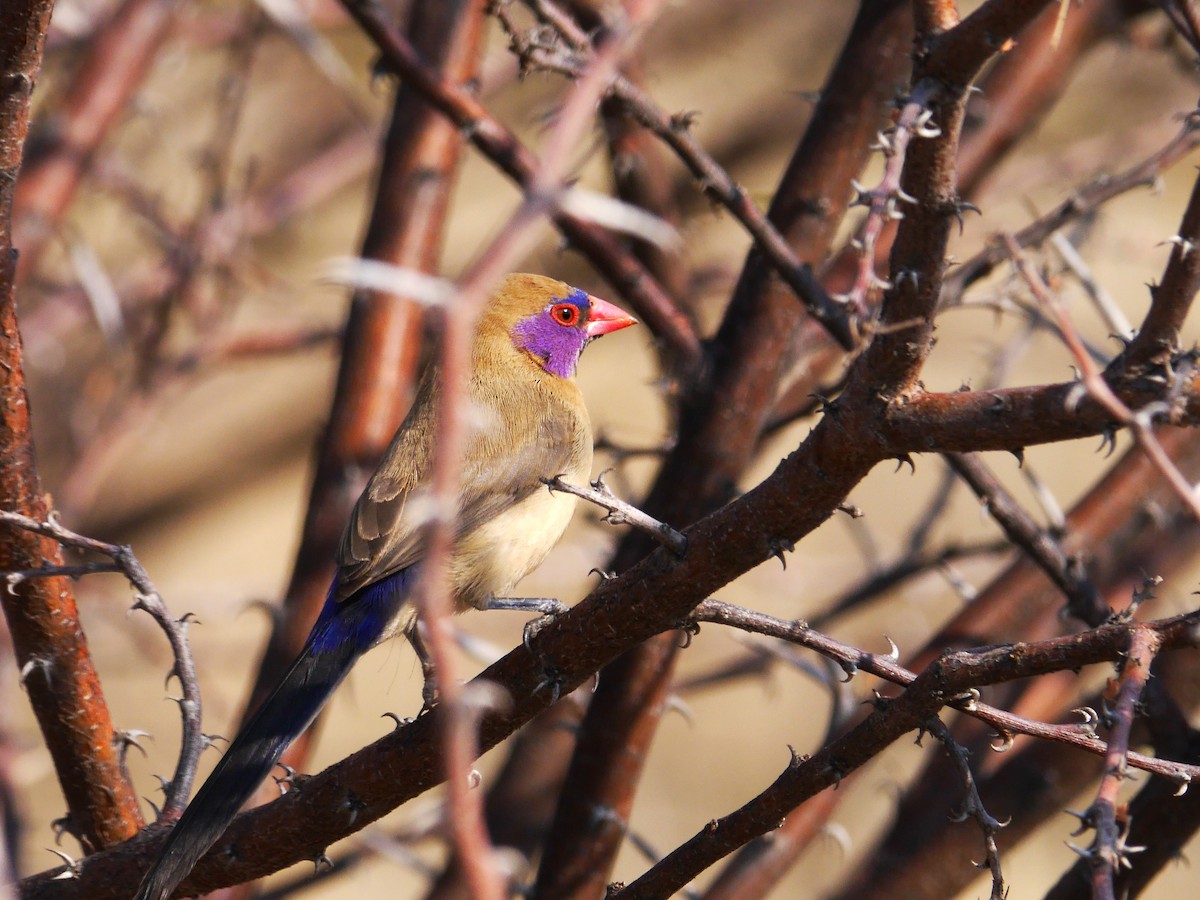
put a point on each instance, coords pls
(552, 321)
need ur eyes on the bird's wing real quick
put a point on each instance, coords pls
(502, 465)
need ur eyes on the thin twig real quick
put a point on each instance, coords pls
(1094, 383)
(1114, 317)
(973, 807)
(853, 660)
(622, 513)
(1109, 851)
(883, 202)
(148, 599)
(1043, 548)
(674, 131)
(1082, 202)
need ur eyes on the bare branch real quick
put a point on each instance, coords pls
(148, 599)
(1109, 851)
(714, 180)
(1098, 387)
(972, 806)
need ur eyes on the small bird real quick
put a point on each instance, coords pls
(529, 423)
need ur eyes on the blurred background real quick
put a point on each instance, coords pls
(181, 337)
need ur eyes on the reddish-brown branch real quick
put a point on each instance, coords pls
(939, 683)
(720, 419)
(1171, 300)
(503, 149)
(48, 641)
(1108, 852)
(954, 52)
(1185, 16)
(1121, 538)
(1013, 418)
(714, 180)
(117, 59)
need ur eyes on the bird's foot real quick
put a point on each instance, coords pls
(290, 780)
(551, 681)
(429, 695)
(547, 607)
(429, 691)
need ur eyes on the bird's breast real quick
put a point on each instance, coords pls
(490, 560)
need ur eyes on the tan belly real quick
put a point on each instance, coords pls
(492, 559)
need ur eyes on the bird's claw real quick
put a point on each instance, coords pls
(429, 696)
(290, 780)
(534, 626)
(551, 680)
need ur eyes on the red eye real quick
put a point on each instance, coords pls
(565, 314)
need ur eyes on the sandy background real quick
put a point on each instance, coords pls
(210, 488)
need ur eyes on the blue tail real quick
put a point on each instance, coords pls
(343, 632)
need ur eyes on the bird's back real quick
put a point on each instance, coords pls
(524, 425)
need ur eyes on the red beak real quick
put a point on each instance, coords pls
(605, 317)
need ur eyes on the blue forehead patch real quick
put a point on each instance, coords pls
(576, 298)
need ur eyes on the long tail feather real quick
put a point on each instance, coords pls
(342, 634)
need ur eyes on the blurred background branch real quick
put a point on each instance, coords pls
(196, 390)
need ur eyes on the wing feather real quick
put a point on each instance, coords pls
(519, 437)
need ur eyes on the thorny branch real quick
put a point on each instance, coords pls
(148, 599)
(1109, 851)
(1094, 383)
(675, 132)
(849, 441)
(939, 684)
(972, 806)
(1082, 203)
(853, 660)
(885, 201)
